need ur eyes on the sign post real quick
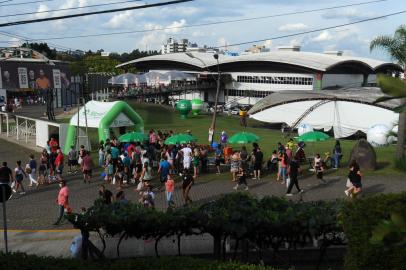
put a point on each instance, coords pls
(5, 194)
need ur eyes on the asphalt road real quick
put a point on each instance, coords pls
(37, 209)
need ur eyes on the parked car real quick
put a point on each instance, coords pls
(235, 111)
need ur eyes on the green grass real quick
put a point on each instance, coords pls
(166, 118)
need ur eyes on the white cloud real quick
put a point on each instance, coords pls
(15, 42)
(293, 27)
(174, 26)
(120, 19)
(323, 36)
(41, 8)
(351, 14)
(198, 33)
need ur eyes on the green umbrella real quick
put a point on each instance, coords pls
(180, 139)
(133, 137)
(313, 136)
(243, 138)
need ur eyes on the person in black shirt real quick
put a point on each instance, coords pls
(293, 171)
(187, 184)
(105, 194)
(6, 175)
(259, 157)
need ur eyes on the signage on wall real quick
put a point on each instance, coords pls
(22, 77)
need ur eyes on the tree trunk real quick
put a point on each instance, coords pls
(400, 147)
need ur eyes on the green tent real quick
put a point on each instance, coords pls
(103, 116)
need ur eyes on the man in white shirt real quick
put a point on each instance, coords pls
(187, 156)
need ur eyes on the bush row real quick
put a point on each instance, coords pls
(266, 223)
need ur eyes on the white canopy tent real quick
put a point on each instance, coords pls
(345, 111)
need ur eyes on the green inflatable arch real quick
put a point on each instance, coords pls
(105, 122)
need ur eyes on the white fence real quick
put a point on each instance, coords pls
(33, 131)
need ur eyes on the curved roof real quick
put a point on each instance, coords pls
(309, 60)
(364, 95)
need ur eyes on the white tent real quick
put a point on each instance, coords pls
(103, 116)
(345, 111)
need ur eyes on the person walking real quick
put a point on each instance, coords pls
(163, 170)
(337, 155)
(73, 160)
(242, 175)
(196, 162)
(87, 167)
(59, 162)
(31, 170)
(259, 157)
(293, 172)
(19, 175)
(43, 167)
(170, 187)
(187, 183)
(318, 168)
(354, 177)
(6, 175)
(62, 200)
(234, 165)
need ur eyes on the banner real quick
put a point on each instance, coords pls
(22, 77)
(57, 78)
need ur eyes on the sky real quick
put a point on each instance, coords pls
(352, 40)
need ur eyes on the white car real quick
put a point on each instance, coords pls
(235, 111)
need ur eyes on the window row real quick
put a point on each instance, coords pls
(248, 93)
(275, 80)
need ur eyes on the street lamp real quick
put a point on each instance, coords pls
(214, 118)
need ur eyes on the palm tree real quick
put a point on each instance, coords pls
(393, 87)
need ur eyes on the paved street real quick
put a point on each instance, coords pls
(37, 209)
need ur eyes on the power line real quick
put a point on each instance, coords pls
(23, 38)
(210, 23)
(93, 13)
(313, 31)
(6, 1)
(64, 9)
(24, 3)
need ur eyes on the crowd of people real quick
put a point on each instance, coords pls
(138, 163)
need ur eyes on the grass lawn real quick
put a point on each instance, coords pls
(166, 118)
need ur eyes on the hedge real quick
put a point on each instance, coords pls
(22, 261)
(360, 218)
(266, 223)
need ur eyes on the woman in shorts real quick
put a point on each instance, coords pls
(19, 177)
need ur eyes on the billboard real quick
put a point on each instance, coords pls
(22, 76)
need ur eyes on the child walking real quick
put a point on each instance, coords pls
(170, 187)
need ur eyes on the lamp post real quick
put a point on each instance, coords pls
(214, 118)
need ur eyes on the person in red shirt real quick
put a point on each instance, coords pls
(59, 164)
(53, 144)
(62, 200)
(87, 166)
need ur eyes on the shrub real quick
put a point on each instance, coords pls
(23, 261)
(360, 218)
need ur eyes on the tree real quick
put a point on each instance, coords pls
(396, 47)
